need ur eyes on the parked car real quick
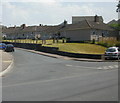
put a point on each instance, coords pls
(9, 48)
(112, 53)
(2, 46)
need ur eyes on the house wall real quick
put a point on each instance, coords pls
(77, 19)
(86, 34)
(114, 34)
(96, 34)
(77, 35)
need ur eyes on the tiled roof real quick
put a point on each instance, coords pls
(85, 24)
(88, 25)
(26, 29)
(100, 26)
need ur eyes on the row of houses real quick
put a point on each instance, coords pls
(83, 28)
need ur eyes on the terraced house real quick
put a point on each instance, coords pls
(83, 28)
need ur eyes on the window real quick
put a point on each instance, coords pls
(93, 32)
(102, 34)
(111, 50)
(119, 49)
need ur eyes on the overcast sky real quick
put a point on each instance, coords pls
(53, 13)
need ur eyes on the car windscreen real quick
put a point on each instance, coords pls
(9, 45)
(111, 50)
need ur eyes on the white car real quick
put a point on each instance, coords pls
(112, 53)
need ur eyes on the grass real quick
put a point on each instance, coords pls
(79, 48)
(84, 48)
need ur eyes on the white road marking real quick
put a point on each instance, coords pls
(68, 65)
(111, 67)
(116, 66)
(99, 68)
(85, 67)
(79, 66)
(105, 67)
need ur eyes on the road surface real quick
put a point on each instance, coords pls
(40, 78)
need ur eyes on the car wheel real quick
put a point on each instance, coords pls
(118, 58)
(106, 58)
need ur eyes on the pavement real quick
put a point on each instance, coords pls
(6, 61)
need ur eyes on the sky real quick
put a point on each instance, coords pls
(53, 12)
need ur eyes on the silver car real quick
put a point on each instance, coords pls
(112, 53)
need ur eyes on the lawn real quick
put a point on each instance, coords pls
(79, 48)
(84, 48)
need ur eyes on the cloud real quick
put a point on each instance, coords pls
(13, 15)
(16, 13)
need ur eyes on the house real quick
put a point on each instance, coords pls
(86, 29)
(24, 32)
(77, 19)
(115, 24)
(82, 28)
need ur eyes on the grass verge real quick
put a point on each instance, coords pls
(79, 48)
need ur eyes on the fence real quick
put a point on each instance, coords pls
(106, 39)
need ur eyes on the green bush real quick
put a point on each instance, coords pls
(93, 41)
(103, 44)
(118, 44)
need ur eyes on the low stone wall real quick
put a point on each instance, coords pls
(78, 55)
(26, 45)
(54, 50)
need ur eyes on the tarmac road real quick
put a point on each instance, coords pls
(40, 78)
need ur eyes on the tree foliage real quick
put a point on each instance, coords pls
(115, 26)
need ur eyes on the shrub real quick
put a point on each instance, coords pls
(117, 44)
(103, 44)
(93, 41)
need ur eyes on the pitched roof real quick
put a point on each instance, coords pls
(85, 24)
(100, 26)
(26, 29)
(88, 25)
(112, 22)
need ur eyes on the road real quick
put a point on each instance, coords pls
(40, 78)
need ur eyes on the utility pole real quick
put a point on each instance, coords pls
(118, 10)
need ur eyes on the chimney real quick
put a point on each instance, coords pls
(23, 26)
(96, 18)
(65, 22)
(14, 26)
